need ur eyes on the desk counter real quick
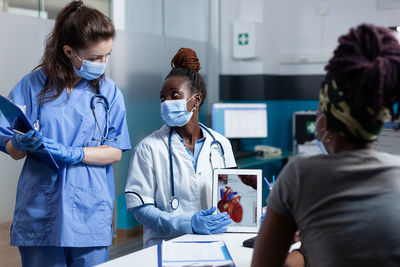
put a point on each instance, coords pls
(250, 162)
(148, 257)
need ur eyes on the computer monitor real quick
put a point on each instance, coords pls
(240, 120)
(389, 139)
(303, 127)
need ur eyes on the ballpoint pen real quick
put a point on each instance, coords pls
(268, 184)
(273, 179)
(19, 132)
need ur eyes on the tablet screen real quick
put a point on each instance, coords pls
(238, 192)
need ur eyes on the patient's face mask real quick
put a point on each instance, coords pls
(320, 144)
(90, 70)
(175, 113)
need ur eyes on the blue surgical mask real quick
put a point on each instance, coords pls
(175, 113)
(320, 144)
(321, 147)
(90, 70)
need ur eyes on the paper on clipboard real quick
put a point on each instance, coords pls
(193, 253)
(18, 121)
(238, 192)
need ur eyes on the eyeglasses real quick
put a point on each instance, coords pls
(93, 58)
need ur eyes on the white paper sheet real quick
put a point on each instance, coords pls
(194, 254)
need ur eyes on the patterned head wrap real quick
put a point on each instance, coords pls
(356, 123)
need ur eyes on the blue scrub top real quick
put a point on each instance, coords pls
(76, 208)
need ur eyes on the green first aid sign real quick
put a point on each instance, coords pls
(243, 39)
(310, 125)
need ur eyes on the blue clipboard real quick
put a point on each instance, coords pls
(18, 121)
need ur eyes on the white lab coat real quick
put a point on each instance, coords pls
(149, 179)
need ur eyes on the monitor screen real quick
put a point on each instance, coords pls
(389, 139)
(304, 126)
(240, 120)
(304, 132)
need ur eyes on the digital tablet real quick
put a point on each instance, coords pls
(238, 192)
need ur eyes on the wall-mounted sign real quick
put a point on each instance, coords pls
(244, 40)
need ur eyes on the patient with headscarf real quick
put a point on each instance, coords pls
(346, 203)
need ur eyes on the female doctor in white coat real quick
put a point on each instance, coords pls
(169, 183)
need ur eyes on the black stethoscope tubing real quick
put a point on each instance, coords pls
(107, 108)
(174, 202)
(106, 105)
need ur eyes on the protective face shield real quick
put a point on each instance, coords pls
(90, 70)
(175, 113)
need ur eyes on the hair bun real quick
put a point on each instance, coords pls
(186, 58)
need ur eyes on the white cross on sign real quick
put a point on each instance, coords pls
(310, 127)
(243, 38)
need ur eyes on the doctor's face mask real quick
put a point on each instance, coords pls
(175, 113)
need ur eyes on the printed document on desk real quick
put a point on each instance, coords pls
(18, 121)
(193, 253)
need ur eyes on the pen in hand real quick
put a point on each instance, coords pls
(19, 132)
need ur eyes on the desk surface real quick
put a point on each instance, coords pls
(258, 160)
(148, 256)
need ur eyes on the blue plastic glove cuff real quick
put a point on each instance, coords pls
(64, 153)
(79, 154)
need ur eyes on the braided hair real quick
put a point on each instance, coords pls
(366, 67)
(186, 64)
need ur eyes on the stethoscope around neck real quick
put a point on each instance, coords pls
(174, 201)
(104, 137)
(106, 105)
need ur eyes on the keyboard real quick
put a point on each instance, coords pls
(245, 154)
(249, 243)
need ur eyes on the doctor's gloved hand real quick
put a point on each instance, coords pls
(30, 141)
(67, 154)
(206, 223)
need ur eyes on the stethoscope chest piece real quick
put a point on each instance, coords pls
(174, 203)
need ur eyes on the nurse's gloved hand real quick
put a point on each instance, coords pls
(27, 142)
(67, 154)
(206, 223)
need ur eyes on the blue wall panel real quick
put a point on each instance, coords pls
(280, 113)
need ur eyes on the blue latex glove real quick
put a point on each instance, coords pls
(30, 141)
(67, 154)
(206, 223)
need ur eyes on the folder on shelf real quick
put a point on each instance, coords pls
(18, 121)
(193, 253)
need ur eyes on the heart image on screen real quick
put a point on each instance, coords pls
(230, 203)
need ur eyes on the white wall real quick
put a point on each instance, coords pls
(186, 19)
(290, 29)
(20, 51)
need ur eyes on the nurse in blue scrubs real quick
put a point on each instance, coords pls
(65, 218)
